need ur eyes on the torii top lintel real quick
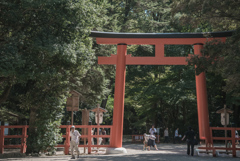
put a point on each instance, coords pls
(157, 39)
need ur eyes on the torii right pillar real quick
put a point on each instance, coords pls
(202, 102)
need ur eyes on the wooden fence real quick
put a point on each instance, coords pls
(66, 137)
(231, 138)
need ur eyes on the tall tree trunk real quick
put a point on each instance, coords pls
(5, 93)
(236, 115)
(184, 113)
(31, 141)
(104, 101)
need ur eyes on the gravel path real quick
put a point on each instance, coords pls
(166, 152)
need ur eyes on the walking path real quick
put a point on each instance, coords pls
(166, 152)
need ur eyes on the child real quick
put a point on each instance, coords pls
(151, 142)
(145, 142)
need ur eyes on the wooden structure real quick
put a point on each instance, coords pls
(224, 115)
(225, 119)
(85, 120)
(73, 103)
(23, 136)
(159, 40)
(66, 145)
(98, 117)
(99, 114)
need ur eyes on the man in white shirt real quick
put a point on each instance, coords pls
(166, 135)
(152, 130)
(176, 136)
(75, 136)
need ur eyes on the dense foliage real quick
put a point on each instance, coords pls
(221, 59)
(44, 53)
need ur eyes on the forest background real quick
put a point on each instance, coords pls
(46, 51)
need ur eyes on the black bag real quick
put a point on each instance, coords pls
(195, 142)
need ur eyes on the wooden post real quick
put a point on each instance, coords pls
(67, 142)
(233, 142)
(225, 125)
(118, 110)
(85, 120)
(98, 124)
(72, 118)
(24, 139)
(89, 139)
(202, 102)
(2, 140)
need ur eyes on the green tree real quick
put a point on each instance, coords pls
(221, 58)
(44, 53)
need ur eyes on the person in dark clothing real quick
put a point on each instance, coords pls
(190, 135)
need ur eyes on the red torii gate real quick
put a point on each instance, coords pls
(121, 59)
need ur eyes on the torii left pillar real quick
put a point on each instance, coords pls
(118, 111)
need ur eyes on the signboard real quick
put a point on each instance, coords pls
(100, 117)
(223, 118)
(73, 101)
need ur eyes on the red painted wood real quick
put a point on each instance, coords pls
(90, 139)
(67, 142)
(24, 135)
(202, 102)
(24, 140)
(154, 41)
(12, 146)
(118, 110)
(13, 136)
(2, 140)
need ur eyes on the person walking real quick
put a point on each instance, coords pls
(152, 130)
(75, 135)
(236, 136)
(190, 135)
(176, 136)
(166, 135)
(151, 142)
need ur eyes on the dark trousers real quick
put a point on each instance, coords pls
(166, 139)
(176, 139)
(190, 144)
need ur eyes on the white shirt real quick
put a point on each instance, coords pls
(152, 137)
(166, 132)
(146, 137)
(75, 136)
(152, 131)
(176, 133)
